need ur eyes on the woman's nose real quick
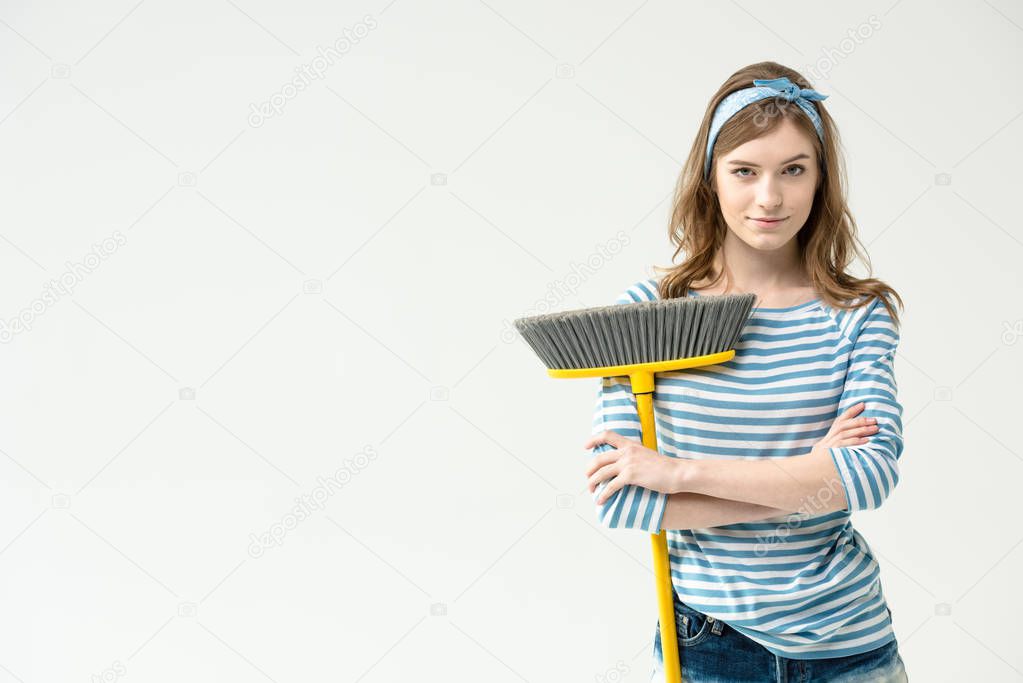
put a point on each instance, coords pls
(768, 195)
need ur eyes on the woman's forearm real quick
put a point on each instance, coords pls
(697, 511)
(807, 482)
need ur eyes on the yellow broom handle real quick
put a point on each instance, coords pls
(662, 564)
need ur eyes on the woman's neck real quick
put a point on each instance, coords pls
(751, 270)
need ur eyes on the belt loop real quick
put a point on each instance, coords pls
(716, 629)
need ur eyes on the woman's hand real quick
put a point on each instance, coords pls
(630, 462)
(849, 430)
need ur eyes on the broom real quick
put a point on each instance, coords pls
(639, 340)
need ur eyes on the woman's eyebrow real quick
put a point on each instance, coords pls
(750, 163)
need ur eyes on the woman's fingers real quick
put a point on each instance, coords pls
(857, 435)
(599, 461)
(606, 458)
(848, 419)
(849, 416)
(847, 422)
(857, 431)
(610, 490)
(603, 474)
(613, 438)
(854, 410)
(849, 430)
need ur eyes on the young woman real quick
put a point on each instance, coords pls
(764, 458)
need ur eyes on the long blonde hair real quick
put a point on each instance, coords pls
(827, 241)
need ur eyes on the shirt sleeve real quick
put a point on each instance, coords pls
(631, 507)
(870, 472)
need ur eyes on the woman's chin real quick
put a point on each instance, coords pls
(767, 241)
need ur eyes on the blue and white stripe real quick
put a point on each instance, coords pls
(803, 585)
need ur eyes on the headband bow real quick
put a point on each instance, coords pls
(762, 89)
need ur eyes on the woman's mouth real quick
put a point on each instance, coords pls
(768, 222)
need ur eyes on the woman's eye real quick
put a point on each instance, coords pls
(738, 171)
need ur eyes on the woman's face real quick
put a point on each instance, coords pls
(774, 176)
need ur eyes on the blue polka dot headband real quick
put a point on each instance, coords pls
(762, 89)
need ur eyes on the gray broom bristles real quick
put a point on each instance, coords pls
(642, 332)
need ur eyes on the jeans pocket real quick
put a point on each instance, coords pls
(693, 626)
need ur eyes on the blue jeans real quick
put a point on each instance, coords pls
(713, 652)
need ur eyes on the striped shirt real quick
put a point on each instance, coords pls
(803, 585)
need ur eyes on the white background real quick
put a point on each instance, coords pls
(339, 278)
